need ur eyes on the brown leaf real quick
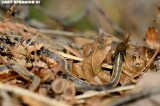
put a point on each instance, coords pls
(125, 79)
(73, 51)
(136, 60)
(87, 49)
(158, 12)
(109, 57)
(133, 65)
(77, 70)
(91, 67)
(152, 37)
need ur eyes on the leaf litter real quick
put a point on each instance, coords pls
(138, 69)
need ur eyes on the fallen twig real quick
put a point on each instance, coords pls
(151, 60)
(66, 33)
(106, 92)
(135, 96)
(72, 34)
(109, 20)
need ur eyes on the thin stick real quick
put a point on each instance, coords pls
(106, 34)
(80, 15)
(71, 34)
(66, 33)
(109, 20)
(106, 92)
(17, 90)
(136, 96)
(151, 60)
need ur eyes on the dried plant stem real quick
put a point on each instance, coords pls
(68, 56)
(66, 33)
(151, 60)
(106, 92)
(108, 19)
(135, 96)
(71, 34)
(17, 90)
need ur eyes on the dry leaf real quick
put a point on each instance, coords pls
(125, 79)
(133, 65)
(73, 51)
(152, 37)
(92, 65)
(158, 16)
(87, 49)
(158, 12)
(76, 70)
(136, 60)
(90, 68)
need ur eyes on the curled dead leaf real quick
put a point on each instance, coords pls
(136, 61)
(125, 79)
(152, 37)
(91, 67)
(133, 65)
(87, 49)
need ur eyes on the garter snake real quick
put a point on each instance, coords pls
(53, 56)
(118, 60)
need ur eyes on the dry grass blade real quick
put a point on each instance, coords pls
(151, 60)
(68, 56)
(106, 92)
